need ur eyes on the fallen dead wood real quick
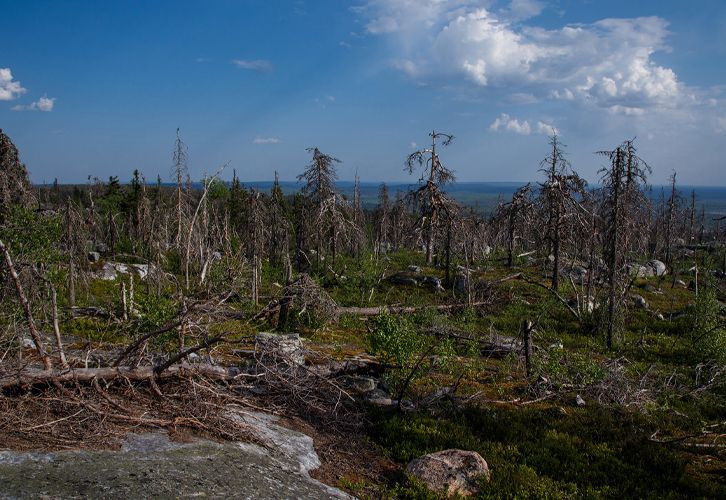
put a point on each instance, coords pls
(492, 348)
(375, 311)
(33, 376)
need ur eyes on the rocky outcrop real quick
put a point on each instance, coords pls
(152, 466)
(451, 471)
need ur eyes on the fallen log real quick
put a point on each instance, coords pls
(375, 311)
(33, 376)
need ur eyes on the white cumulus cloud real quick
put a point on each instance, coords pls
(519, 10)
(606, 63)
(506, 124)
(260, 66)
(43, 104)
(271, 140)
(9, 89)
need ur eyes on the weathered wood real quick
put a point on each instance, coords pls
(375, 311)
(34, 376)
(26, 307)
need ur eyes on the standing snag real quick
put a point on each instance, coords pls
(429, 196)
(622, 184)
(559, 199)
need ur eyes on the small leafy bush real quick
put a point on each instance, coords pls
(705, 325)
(393, 341)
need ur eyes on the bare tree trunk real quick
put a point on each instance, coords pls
(26, 307)
(71, 264)
(191, 226)
(528, 352)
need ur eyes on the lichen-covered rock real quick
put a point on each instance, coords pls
(450, 471)
(640, 302)
(280, 348)
(107, 272)
(659, 268)
(432, 281)
(638, 271)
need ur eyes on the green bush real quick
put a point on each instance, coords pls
(393, 341)
(705, 325)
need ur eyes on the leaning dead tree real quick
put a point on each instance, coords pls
(429, 195)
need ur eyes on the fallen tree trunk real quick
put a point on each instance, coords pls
(31, 377)
(375, 311)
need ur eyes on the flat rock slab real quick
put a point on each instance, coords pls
(151, 466)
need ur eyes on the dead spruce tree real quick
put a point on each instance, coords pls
(622, 184)
(512, 219)
(429, 196)
(558, 199)
(382, 220)
(180, 174)
(328, 207)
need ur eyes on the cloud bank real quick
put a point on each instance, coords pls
(606, 64)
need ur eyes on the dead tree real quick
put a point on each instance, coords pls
(512, 217)
(429, 196)
(558, 199)
(327, 204)
(180, 174)
(622, 183)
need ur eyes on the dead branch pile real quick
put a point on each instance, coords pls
(97, 414)
(305, 297)
(313, 392)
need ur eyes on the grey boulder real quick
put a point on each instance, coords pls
(450, 471)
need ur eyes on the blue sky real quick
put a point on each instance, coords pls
(100, 88)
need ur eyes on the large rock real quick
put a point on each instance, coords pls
(107, 272)
(450, 471)
(638, 271)
(280, 348)
(153, 466)
(433, 281)
(659, 268)
(402, 279)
